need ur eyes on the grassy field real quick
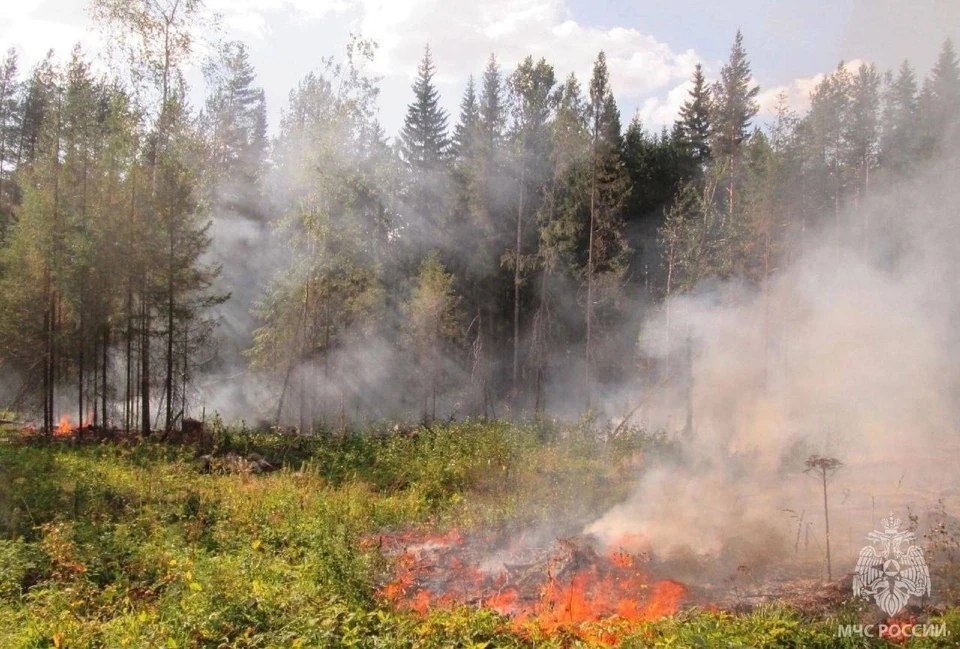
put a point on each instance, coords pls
(130, 545)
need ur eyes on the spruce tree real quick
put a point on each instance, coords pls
(900, 130)
(424, 144)
(530, 86)
(694, 122)
(945, 92)
(234, 120)
(861, 128)
(734, 102)
(465, 132)
(424, 147)
(609, 188)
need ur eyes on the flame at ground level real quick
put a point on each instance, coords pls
(65, 427)
(568, 587)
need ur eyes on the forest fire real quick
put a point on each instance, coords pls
(566, 587)
(65, 427)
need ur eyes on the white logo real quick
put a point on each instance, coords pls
(891, 575)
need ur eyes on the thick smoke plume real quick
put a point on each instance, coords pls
(849, 351)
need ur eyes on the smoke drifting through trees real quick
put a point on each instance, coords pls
(848, 351)
(501, 263)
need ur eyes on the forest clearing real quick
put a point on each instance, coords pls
(420, 324)
(136, 544)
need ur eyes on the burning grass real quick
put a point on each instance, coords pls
(129, 544)
(567, 588)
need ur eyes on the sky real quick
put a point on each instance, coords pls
(651, 45)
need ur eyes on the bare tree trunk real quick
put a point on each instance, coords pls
(588, 356)
(303, 402)
(103, 368)
(145, 366)
(47, 362)
(866, 213)
(128, 393)
(93, 379)
(732, 185)
(170, 333)
(185, 375)
(668, 307)
(81, 343)
(516, 283)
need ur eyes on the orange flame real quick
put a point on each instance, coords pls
(65, 428)
(600, 601)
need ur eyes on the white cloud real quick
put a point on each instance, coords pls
(250, 17)
(462, 34)
(662, 110)
(797, 92)
(32, 36)
(648, 75)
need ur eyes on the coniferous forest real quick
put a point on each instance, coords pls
(530, 373)
(490, 263)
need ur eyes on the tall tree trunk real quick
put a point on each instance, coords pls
(145, 365)
(93, 379)
(516, 282)
(588, 355)
(103, 368)
(81, 344)
(47, 374)
(128, 392)
(170, 333)
(185, 374)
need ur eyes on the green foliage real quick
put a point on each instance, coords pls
(114, 545)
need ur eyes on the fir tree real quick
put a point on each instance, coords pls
(609, 188)
(465, 132)
(900, 134)
(424, 147)
(694, 122)
(944, 108)
(530, 88)
(734, 102)
(423, 138)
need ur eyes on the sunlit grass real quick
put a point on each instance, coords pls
(118, 545)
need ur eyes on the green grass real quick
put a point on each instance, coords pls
(113, 545)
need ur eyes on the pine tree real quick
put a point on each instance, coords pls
(734, 107)
(10, 130)
(861, 129)
(157, 40)
(561, 219)
(531, 86)
(609, 187)
(826, 145)
(328, 295)
(900, 136)
(234, 119)
(944, 109)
